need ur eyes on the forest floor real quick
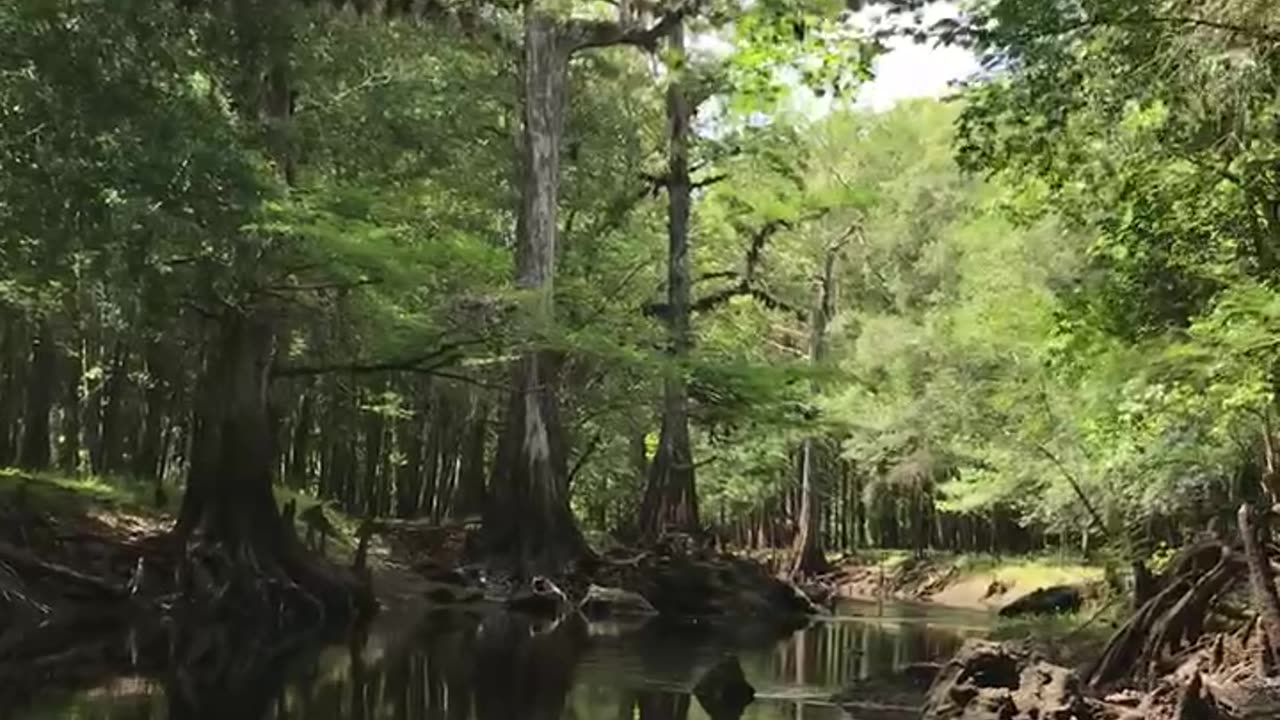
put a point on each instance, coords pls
(975, 581)
(101, 527)
(84, 523)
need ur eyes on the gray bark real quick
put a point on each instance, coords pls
(671, 500)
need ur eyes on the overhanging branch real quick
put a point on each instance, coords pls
(586, 34)
(425, 363)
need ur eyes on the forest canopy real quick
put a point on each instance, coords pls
(588, 278)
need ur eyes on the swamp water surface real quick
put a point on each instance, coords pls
(443, 666)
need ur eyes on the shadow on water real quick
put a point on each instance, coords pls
(455, 666)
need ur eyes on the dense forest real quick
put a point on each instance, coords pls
(593, 275)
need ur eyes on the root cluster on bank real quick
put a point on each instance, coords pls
(1196, 648)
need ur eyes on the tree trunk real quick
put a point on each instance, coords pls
(300, 445)
(72, 417)
(10, 387)
(470, 495)
(112, 439)
(671, 500)
(374, 430)
(410, 432)
(528, 524)
(229, 506)
(527, 519)
(36, 451)
(1265, 600)
(810, 555)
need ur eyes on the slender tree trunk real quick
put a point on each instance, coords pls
(810, 555)
(72, 413)
(671, 500)
(112, 434)
(471, 491)
(410, 442)
(431, 472)
(300, 445)
(160, 394)
(36, 449)
(10, 386)
(374, 430)
(528, 523)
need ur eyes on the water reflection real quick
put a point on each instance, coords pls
(503, 667)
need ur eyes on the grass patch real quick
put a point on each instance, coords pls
(1030, 571)
(346, 525)
(54, 492)
(1072, 639)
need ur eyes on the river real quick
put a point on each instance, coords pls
(447, 666)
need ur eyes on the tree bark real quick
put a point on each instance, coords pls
(528, 524)
(671, 500)
(810, 554)
(229, 504)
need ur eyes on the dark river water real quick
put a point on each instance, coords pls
(414, 666)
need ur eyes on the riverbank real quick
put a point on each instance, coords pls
(63, 534)
(978, 582)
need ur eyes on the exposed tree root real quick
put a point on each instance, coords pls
(27, 564)
(1169, 628)
(1261, 579)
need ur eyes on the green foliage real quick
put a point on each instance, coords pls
(1062, 286)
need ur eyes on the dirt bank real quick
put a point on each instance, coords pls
(965, 581)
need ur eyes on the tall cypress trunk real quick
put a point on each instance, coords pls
(229, 501)
(671, 500)
(810, 554)
(528, 523)
(36, 450)
(229, 483)
(229, 507)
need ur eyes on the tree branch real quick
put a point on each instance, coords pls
(1075, 486)
(426, 363)
(586, 34)
(708, 181)
(587, 452)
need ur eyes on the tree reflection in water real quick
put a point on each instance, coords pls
(458, 666)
